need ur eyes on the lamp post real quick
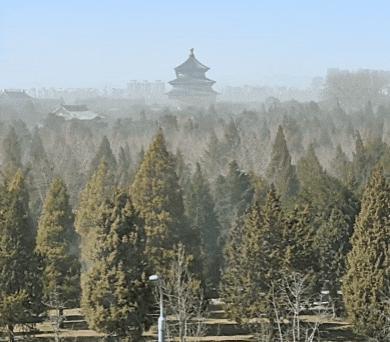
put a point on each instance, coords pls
(161, 319)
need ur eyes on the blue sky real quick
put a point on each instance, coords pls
(101, 42)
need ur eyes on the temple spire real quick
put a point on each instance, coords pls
(192, 52)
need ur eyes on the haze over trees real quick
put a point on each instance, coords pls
(240, 203)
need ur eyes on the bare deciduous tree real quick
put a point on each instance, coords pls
(183, 299)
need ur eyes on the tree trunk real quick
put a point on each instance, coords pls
(10, 331)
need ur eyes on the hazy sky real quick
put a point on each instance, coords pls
(69, 43)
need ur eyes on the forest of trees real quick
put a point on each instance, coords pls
(246, 205)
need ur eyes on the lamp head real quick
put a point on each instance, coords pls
(154, 277)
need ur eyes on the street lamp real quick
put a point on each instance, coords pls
(161, 319)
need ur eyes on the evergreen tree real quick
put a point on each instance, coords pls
(20, 289)
(321, 191)
(202, 217)
(233, 195)
(183, 172)
(12, 159)
(280, 171)
(41, 174)
(116, 297)
(366, 285)
(158, 197)
(254, 261)
(293, 133)
(332, 243)
(341, 167)
(104, 153)
(300, 255)
(98, 189)
(360, 165)
(57, 244)
(213, 156)
(125, 171)
(231, 142)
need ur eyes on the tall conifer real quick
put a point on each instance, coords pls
(366, 285)
(98, 189)
(158, 197)
(20, 287)
(280, 171)
(116, 296)
(203, 220)
(57, 244)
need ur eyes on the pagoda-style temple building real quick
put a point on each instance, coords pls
(191, 85)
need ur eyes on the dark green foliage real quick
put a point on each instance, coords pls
(125, 167)
(300, 253)
(332, 243)
(158, 197)
(280, 171)
(254, 260)
(231, 142)
(57, 245)
(333, 209)
(98, 189)
(213, 156)
(322, 191)
(360, 165)
(40, 174)
(233, 195)
(116, 296)
(341, 167)
(183, 172)
(12, 154)
(202, 218)
(366, 285)
(20, 287)
(104, 153)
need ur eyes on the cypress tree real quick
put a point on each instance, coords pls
(20, 289)
(366, 285)
(41, 174)
(116, 297)
(203, 220)
(332, 243)
(341, 167)
(12, 159)
(280, 171)
(360, 164)
(299, 238)
(254, 260)
(57, 244)
(213, 160)
(124, 171)
(231, 142)
(104, 153)
(322, 191)
(98, 189)
(241, 282)
(158, 197)
(183, 172)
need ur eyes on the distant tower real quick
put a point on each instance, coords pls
(191, 85)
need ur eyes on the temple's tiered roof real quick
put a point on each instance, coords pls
(191, 84)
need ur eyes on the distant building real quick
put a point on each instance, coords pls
(191, 85)
(16, 104)
(15, 95)
(148, 92)
(80, 112)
